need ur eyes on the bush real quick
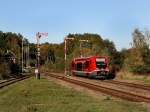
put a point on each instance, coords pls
(32, 63)
(140, 69)
(4, 71)
(15, 69)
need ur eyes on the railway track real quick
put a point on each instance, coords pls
(134, 85)
(106, 90)
(127, 84)
(11, 81)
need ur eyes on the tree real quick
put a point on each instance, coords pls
(138, 57)
(10, 42)
(138, 39)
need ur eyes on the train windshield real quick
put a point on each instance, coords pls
(100, 63)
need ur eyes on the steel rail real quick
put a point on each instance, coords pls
(139, 86)
(106, 90)
(11, 81)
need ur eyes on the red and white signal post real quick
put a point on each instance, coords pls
(38, 36)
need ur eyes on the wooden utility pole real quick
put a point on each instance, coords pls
(22, 54)
(65, 40)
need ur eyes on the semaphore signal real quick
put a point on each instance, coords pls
(38, 36)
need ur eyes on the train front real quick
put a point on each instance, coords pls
(102, 67)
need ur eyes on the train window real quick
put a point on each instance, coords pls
(79, 66)
(100, 63)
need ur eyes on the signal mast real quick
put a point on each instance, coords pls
(38, 36)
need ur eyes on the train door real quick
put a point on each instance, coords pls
(79, 66)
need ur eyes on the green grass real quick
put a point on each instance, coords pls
(145, 79)
(42, 95)
(130, 76)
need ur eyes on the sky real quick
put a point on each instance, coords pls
(112, 19)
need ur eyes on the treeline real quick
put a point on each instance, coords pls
(10, 54)
(52, 55)
(135, 59)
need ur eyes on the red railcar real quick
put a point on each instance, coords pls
(95, 66)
